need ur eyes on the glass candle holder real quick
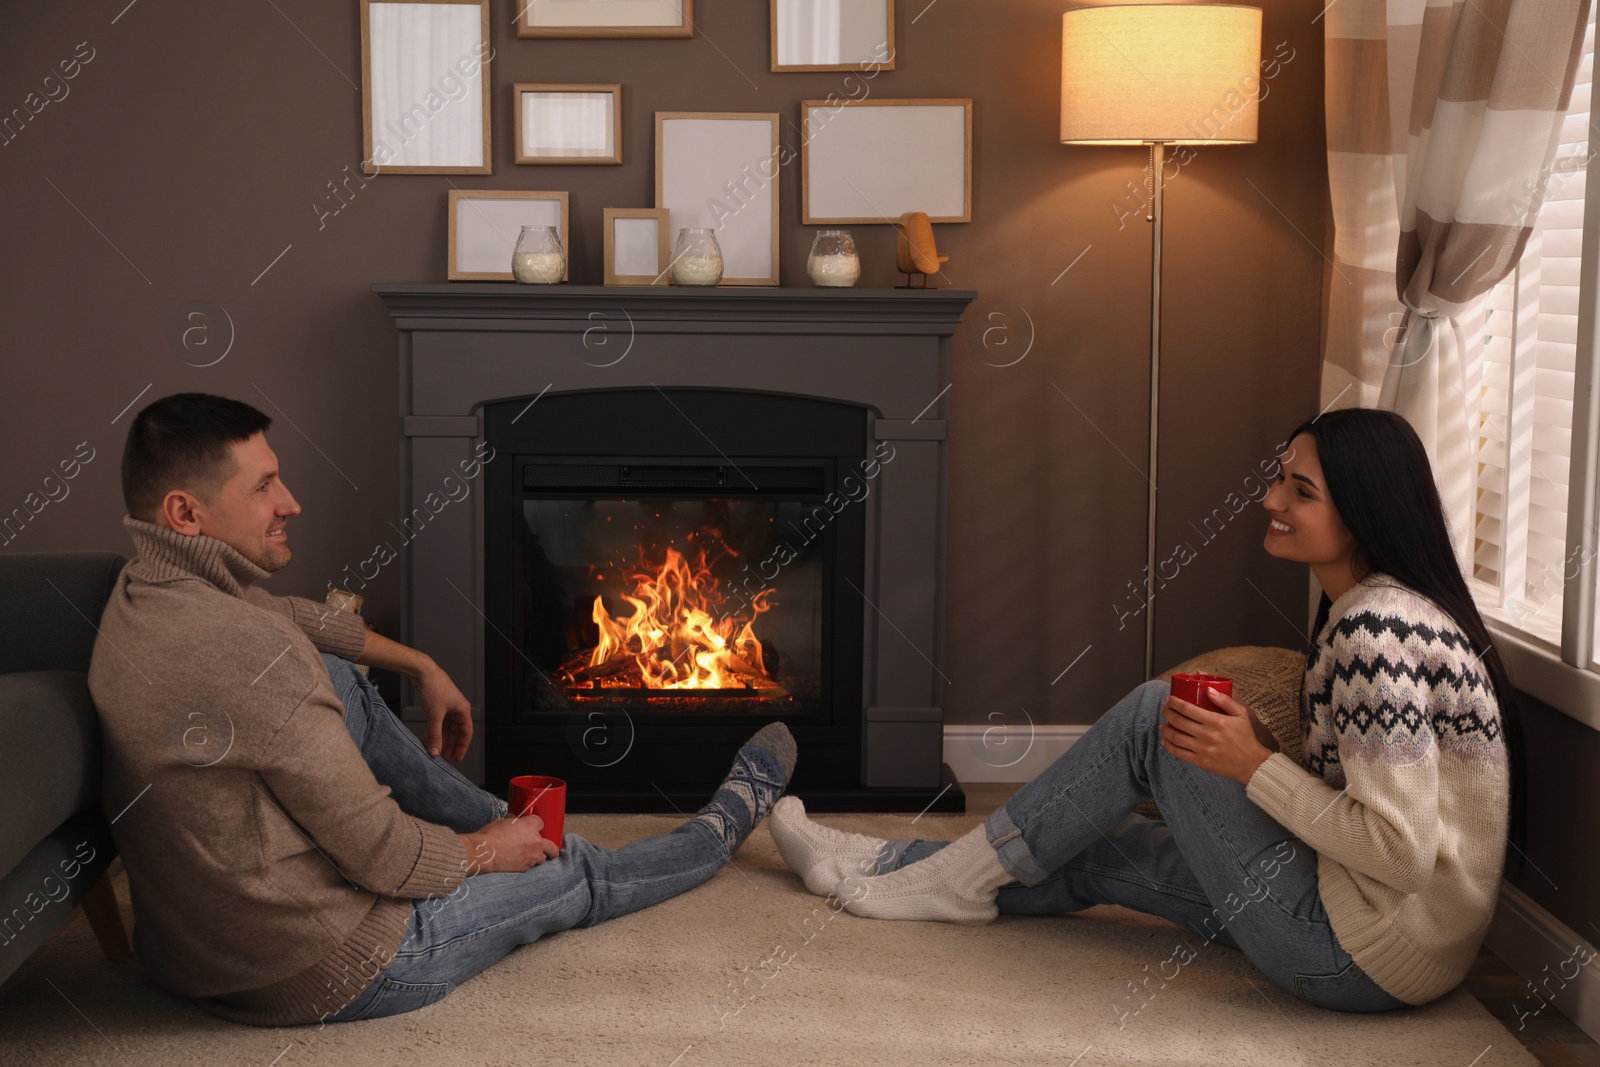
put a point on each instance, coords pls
(538, 258)
(697, 260)
(833, 263)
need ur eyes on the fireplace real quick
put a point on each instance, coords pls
(661, 598)
(736, 521)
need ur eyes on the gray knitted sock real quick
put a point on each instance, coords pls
(758, 778)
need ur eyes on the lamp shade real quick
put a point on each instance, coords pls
(1182, 73)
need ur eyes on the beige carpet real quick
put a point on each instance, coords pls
(651, 989)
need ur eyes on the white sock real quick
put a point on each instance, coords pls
(956, 884)
(820, 855)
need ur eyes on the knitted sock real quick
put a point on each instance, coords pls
(820, 855)
(956, 884)
(758, 778)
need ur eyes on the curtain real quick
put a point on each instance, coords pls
(1441, 116)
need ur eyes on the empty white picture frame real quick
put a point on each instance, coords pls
(485, 224)
(567, 123)
(637, 248)
(832, 35)
(869, 161)
(605, 18)
(424, 73)
(719, 170)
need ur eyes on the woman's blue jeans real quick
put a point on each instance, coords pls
(452, 938)
(1217, 864)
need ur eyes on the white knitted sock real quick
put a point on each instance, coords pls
(956, 884)
(820, 855)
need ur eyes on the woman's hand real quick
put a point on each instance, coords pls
(1222, 742)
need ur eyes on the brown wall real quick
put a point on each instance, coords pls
(1563, 798)
(199, 137)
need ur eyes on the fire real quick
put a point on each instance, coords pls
(674, 636)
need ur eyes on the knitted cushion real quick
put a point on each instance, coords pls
(1265, 680)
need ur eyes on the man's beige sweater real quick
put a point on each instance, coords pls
(272, 876)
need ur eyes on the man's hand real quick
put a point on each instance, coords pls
(511, 844)
(1222, 742)
(449, 714)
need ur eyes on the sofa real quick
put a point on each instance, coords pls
(55, 843)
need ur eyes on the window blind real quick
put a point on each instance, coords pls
(1526, 365)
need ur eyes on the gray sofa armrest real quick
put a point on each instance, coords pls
(37, 896)
(52, 604)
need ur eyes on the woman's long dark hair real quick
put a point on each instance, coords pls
(1382, 486)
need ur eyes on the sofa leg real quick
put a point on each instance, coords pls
(105, 918)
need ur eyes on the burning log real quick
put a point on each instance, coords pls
(583, 672)
(677, 637)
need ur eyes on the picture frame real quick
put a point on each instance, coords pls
(809, 35)
(431, 117)
(635, 238)
(870, 161)
(605, 18)
(720, 170)
(566, 122)
(484, 225)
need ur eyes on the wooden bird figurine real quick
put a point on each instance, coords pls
(915, 250)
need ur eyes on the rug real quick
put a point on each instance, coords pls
(750, 969)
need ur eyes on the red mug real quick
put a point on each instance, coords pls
(1192, 687)
(544, 796)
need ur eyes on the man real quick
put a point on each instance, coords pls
(293, 852)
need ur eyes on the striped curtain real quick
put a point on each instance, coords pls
(1442, 116)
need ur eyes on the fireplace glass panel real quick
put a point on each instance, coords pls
(650, 604)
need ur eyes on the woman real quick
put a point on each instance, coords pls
(1361, 881)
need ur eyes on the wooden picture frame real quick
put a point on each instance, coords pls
(565, 122)
(430, 119)
(870, 161)
(699, 155)
(605, 18)
(623, 252)
(484, 223)
(856, 35)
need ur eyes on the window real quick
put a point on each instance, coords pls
(1528, 362)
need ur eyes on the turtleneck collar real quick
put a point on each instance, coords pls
(166, 554)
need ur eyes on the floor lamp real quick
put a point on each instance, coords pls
(1159, 75)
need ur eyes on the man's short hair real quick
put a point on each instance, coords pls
(182, 442)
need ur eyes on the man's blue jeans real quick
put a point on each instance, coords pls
(452, 938)
(1217, 864)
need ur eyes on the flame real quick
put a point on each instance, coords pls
(674, 636)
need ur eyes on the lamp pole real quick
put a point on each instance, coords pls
(1157, 154)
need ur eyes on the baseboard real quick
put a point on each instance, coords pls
(1005, 751)
(1545, 952)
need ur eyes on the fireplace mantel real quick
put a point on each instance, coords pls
(816, 310)
(463, 345)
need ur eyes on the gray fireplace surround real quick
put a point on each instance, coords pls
(464, 345)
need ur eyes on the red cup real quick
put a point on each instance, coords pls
(544, 796)
(1192, 687)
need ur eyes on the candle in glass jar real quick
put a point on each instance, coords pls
(539, 268)
(697, 270)
(834, 269)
